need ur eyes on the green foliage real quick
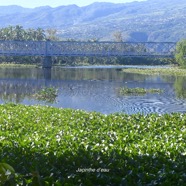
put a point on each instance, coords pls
(180, 87)
(171, 71)
(142, 61)
(137, 91)
(109, 18)
(51, 146)
(181, 53)
(18, 33)
(6, 173)
(47, 94)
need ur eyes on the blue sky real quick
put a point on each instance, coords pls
(55, 3)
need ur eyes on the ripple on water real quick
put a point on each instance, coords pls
(159, 106)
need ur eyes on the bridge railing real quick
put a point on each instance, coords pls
(65, 48)
(22, 48)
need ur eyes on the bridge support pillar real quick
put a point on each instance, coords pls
(47, 62)
(47, 73)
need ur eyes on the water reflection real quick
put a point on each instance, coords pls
(180, 87)
(47, 73)
(179, 84)
(16, 90)
(93, 89)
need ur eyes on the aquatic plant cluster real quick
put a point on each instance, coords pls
(52, 146)
(47, 94)
(171, 71)
(138, 91)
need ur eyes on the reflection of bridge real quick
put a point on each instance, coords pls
(98, 49)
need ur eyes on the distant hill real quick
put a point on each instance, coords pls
(151, 20)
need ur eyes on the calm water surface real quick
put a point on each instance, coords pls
(94, 89)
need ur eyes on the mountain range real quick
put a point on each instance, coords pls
(151, 20)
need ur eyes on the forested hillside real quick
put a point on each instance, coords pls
(151, 20)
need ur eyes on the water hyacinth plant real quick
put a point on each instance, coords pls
(51, 146)
(171, 71)
(48, 94)
(7, 174)
(137, 91)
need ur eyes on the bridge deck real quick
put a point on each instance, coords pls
(99, 49)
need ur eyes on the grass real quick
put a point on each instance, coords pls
(175, 71)
(6, 65)
(137, 91)
(51, 146)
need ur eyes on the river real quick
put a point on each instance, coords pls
(94, 88)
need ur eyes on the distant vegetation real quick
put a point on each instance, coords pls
(181, 53)
(18, 33)
(175, 71)
(137, 91)
(151, 20)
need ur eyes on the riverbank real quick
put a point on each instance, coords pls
(175, 71)
(17, 65)
(47, 145)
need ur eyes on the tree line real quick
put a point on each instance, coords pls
(18, 33)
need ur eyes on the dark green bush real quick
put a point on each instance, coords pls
(181, 53)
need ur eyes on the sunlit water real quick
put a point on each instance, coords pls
(94, 89)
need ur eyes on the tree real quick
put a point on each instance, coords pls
(181, 53)
(40, 34)
(12, 33)
(51, 34)
(29, 34)
(18, 33)
(118, 36)
(7, 33)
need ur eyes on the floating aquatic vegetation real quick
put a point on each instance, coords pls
(52, 146)
(48, 94)
(138, 91)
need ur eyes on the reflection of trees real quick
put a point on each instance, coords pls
(21, 73)
(94, 74)
(180, 87)
(16, 91)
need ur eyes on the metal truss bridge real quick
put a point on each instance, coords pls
(98, 49)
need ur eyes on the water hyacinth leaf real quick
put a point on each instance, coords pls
(6, 172)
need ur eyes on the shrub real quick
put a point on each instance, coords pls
(181, 53)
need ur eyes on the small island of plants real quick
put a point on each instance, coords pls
(47, 94)
(138, 91)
